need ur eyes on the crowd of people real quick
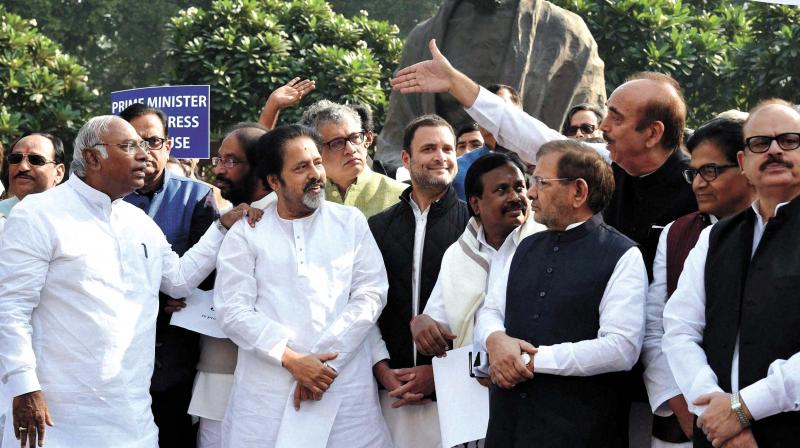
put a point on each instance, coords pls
(628, 282)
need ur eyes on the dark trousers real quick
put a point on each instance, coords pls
(175, 429)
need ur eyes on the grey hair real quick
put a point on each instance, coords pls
(88, 137)
(324, 111)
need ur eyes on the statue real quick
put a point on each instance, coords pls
(543, 51)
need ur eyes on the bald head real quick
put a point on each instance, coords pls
(660, 99)
(775, 108)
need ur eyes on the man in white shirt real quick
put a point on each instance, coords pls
(234, 173)
(721, 190)
(572, 303)
(501, 218)
(732, 327)
(413, 236)
(79, 281)
(298, 296)
(35, 164)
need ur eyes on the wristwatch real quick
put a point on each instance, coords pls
(736, 407)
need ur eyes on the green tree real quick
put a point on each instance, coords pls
(120, 42)
(405, 14)
(43, 89)
(244, 49)
(726, 54)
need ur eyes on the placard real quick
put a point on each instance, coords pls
(188, 110)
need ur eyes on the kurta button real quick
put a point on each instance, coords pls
(555, 249)
(523, 395)
(549, 270)
(542, 294)
(536, 316)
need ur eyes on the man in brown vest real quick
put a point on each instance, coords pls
(721, 191)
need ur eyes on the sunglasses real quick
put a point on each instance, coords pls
(33, 159)
(585, 128)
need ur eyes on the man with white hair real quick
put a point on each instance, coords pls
(79, 281)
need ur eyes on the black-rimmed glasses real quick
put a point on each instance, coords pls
(155, 142)
(33, 159)
(761, 143)
(338, 144)
(708, 172)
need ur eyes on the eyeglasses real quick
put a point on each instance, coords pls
(761, 143)
(33, 159)
(338, 144)
(155, 142)
(540, 182)
(227, 163)
(585, 128)
(708, 172)
(129, 147)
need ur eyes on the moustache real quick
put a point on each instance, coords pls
(512, 206)
(779, 160)
(23, 175)
(311, 184)
(607, 138)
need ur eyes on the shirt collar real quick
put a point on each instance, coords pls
(95, 198)
(754, 205)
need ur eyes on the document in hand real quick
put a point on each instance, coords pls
(462, 402)
(310, 426)
(199, 315)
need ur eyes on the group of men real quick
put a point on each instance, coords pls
(342, 284)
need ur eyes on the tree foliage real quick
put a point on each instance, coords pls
(120, 42)
(725, 54)
(41, 88)
(244, 49)
(405, 14)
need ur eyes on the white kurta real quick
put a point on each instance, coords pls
(315, 285)
(79, 282)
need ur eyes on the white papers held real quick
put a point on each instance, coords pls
(310, 426)
(463, 403)
(199, 315)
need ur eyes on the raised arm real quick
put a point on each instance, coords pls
(282, 97)
(511, 126)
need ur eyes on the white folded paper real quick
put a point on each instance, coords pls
(199, 315)
(462, 402)
(310, 426)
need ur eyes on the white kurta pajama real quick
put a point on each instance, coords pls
(315, 285)
(79, 283)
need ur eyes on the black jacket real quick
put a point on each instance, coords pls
(393, 230)
(642, 206)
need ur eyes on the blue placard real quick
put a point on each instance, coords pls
(188, 110)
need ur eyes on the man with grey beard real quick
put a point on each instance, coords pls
(298, 295)
(413, 236)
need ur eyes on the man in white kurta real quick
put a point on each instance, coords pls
(309, 285)
(79, 281)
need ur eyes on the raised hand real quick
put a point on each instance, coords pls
(290, 93)
(431, 76)
(285, 96)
